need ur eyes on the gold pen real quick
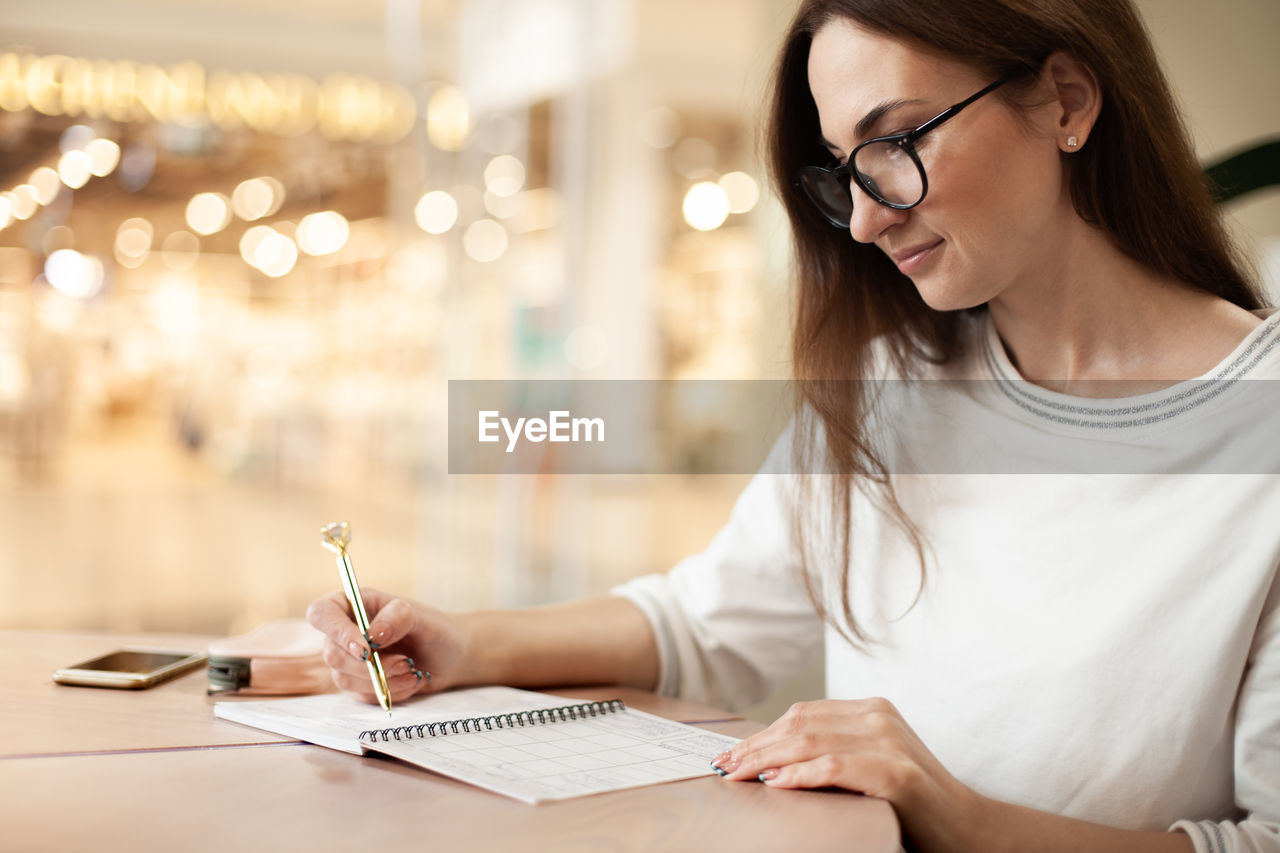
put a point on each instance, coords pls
(335, 537)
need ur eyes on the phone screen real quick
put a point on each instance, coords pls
(123, 661)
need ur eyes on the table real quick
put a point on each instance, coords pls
(91, 769)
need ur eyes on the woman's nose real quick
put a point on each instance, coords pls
(870, 218)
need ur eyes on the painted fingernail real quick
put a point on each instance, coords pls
(718, 770)
(419, 675)
(766, 775)
(373, 645)
(356, 650)
(720, 759)
(364, 655)
(413, 667)
(730, 765)
(428, 676)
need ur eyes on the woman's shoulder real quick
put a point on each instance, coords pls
(1257, 355)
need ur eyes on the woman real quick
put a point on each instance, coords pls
(1064, 662)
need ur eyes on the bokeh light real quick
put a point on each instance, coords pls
(133, 242)
(73, 274)
(436, 212)
(24, 201)
(251, 238)
(484, 240)
(57, 237)
(741, 190)
(75, 138)
(504, 176)
(503, 206)
(323, 233)
(73, 168)
(448, 119)
(706, 206)
(208, 213)
(104, 156)
(45, 183)
(180, 250)
(257, 197)
(266, 249)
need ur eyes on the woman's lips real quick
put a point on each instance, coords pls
(909, 260)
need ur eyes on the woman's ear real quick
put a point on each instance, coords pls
(1077, 99)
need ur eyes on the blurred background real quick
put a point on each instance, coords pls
(244, 245)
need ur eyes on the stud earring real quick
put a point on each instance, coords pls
(1072, 142)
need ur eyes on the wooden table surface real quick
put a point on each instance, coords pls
(104, 770)
(39, 717)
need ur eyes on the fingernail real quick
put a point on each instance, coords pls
(413, 667)
(364, 655)
(373, 645)
(419, 675)
(730, 765)
(358, 650)
(718, 770)
(720, 759)
(766, 775)
(428, 676)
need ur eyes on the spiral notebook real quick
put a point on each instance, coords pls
(530, 746)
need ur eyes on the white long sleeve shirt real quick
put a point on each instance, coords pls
(1099, 645)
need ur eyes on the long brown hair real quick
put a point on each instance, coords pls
(1137, 180)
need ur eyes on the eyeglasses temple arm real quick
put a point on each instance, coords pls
(950, 111)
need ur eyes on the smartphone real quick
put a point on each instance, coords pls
(130, 668)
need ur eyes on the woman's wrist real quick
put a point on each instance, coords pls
(482, 660)
(955, 820)
(979, 827)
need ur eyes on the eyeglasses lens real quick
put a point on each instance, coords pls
(890, 173)
(829, 193)
(887, 171)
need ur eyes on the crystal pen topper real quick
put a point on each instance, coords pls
(336, 537)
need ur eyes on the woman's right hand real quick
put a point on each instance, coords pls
(423, 650)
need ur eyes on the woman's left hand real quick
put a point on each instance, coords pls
(865, 746)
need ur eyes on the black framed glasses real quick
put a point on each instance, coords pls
(887, 168)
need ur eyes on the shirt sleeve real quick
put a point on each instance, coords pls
(1257, 751)
(735, 621)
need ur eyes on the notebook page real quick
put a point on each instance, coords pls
(335, 720)
(573, 758)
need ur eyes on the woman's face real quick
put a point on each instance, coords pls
(996, 209)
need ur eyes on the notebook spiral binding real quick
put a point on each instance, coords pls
(516, 719)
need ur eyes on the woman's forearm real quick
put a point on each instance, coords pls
(1006, 828)
(603, 640)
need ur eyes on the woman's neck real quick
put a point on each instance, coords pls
(1102, 325)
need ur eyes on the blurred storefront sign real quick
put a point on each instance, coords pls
(340, 107)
